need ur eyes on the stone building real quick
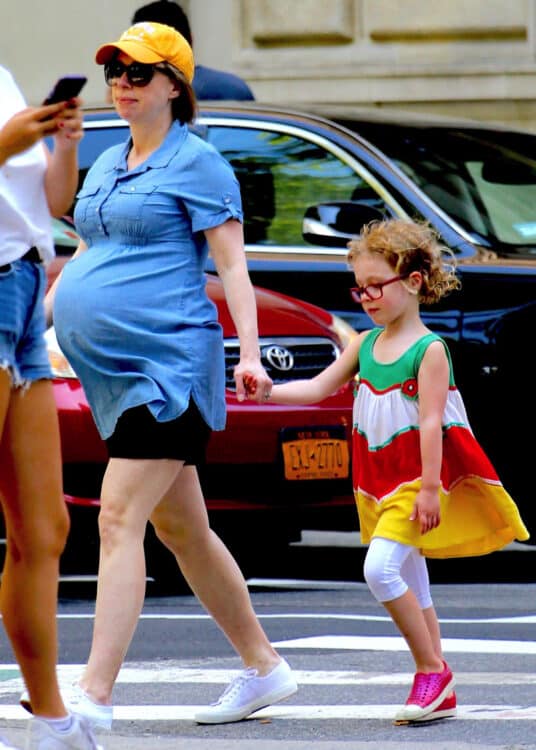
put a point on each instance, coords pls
(474, 58)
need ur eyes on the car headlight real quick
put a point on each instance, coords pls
(58, 361)
(343, 330)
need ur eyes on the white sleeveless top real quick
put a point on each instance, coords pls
(24, 216)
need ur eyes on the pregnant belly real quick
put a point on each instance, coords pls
(97, 293)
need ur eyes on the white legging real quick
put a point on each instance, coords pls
(391, 568)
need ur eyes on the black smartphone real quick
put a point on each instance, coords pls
(66, 88)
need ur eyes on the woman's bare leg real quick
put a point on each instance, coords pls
(181, 523)
(37, 525)
(131, 488)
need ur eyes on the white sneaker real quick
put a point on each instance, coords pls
(248, 693)
(5, 746)
(42, 736)
(79, 702)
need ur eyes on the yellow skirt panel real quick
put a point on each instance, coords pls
(476, 518)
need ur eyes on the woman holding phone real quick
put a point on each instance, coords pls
(33, 185)
(132, 315)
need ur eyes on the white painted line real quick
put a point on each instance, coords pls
(315, 616)
(395, 643)
(147, 712)
(134, 675)
(302, 584)
(315, 677)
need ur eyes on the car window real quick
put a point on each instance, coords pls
(485, 179)
(509, 200)
(280, 176)
(95, 141)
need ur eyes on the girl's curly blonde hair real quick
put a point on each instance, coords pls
(410, 246)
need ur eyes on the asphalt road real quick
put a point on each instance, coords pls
(352, 667)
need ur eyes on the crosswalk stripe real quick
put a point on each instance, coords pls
(395, 643)
(314, 616)
(485, 712)
(11, 681)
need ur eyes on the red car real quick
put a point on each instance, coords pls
(274, 470)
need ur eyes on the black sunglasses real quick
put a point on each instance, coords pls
(138, 74)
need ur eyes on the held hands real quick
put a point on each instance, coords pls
(253, 383)
(426, 510)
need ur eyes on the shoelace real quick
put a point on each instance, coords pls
(234, 687)
(76, 695)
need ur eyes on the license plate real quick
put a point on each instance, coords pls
(319, 453)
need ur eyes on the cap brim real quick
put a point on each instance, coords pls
(137, 52)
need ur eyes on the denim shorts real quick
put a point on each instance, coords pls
(23, 352)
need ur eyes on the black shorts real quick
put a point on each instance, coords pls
(137, 434)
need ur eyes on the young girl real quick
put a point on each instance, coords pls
(423, 486)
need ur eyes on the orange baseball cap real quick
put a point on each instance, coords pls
(149, 42)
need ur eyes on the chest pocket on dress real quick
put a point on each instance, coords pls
(135, 195)
(85, 199)
(133, 209)
(86, 212)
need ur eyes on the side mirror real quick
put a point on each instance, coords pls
(335, 223)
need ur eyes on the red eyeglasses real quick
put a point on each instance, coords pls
(373, 291)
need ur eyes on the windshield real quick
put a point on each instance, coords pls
(485, 179)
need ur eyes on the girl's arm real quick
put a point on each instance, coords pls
(325, 383)
(226, 244)
(49, 298)
(433, 382)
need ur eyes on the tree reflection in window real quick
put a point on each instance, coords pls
(280, 176)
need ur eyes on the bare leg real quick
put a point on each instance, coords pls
(37, 526)
(181, 523)
(131, 488)
(419, 629)
(432, 624)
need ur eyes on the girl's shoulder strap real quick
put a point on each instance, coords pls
(369, 340)
(365, 360)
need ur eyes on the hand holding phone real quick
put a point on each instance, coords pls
(65, 88)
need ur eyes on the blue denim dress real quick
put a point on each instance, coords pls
(131, 313)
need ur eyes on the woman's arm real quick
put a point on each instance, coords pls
(226, 244)
(49, 298)
(433, 383)
(61, 179)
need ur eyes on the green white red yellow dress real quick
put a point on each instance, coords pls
(477, 514)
